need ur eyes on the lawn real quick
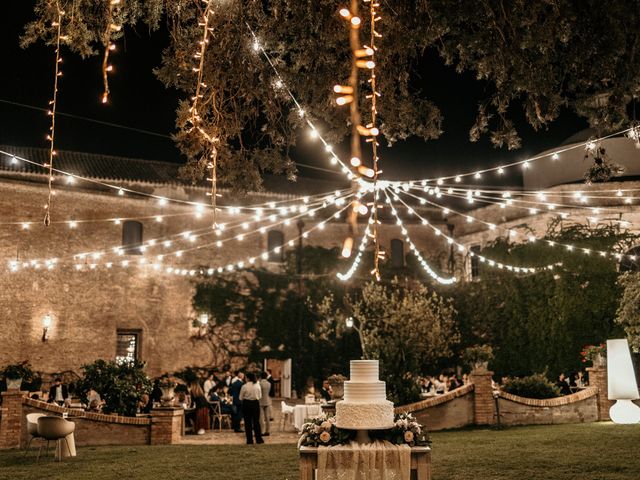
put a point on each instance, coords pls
(598, 451)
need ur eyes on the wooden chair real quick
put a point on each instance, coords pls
(216, 414)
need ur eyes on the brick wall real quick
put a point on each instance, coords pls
(483, 404)
(11, 418)
(580, 407)
(93, 428)
(451, 410)
(88, 306)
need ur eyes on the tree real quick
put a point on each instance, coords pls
(628, 314)
(544, 55)
(544, 320)
(404, 326)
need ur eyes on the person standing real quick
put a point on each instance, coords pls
(250, 395)
(201, 419)
(265, 404)
(234, 390)
(271, 380)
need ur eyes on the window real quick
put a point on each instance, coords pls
(397, 253)
(475, 262)
(132, 237)
(631, 261)
(127, 345)
(275, 240)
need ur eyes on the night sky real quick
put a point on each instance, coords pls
(138, 100)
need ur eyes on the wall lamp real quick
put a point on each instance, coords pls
(46, 323)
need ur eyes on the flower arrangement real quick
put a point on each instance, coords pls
(477, 354)
(592, 353)
(406, 430)
(21, 370)
(322, 431)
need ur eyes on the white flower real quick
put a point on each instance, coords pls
(326, 425)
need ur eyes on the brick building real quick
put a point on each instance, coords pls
(94, 307)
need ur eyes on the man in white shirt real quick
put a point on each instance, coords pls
(58, 392)
(250, 395)
(265, 404)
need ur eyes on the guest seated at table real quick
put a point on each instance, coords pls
(145, 405)
(453, 383)
(465, 379)
(563, 385)
(326, 391)
(426, 385)
(183, 400)
(581, 381)
(58, 393)
(201, 420)
(224, 401)
(440, 384)
(93, 396)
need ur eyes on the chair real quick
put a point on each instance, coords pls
(216, 414)
(287, 414)
(32, 428)
(56, 429)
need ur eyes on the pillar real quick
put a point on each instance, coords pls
(166, 425)
(598, 378)
(483, 402)
(11, 418)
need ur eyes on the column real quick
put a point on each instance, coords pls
(11, 419)
(483, 403)
(598, 378)
(166, 425)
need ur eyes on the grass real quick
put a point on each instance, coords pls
(597, 451)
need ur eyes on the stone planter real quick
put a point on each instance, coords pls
(480, 366)
(600, 361)
(167, 395)
(14, 383)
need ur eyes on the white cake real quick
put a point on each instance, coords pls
(365, 405)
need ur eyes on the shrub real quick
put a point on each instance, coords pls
(120, 385)
(21, 370)
(533, 386)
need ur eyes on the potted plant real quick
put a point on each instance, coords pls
(478, 356)
(596, 354)
(167, 384)
(15, 373)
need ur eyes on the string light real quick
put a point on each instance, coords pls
(52, 112)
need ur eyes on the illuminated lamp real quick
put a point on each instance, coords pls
(622, 383)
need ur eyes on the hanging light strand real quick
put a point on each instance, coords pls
(52, 112)
(112, 27)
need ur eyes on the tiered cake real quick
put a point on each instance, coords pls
(365, 405)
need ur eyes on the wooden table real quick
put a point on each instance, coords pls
(420, 463)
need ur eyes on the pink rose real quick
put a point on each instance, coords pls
(325, 437)
(408, 436)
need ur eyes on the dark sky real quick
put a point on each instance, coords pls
(140, 101)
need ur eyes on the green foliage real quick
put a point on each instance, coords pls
(543, 320)
(120, 385)
(404, 325)
(532, 386)
(628, 314)
(501, 43)
(21, 370)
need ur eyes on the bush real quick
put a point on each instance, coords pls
(533, 386)
(120, 385)
(21, 370)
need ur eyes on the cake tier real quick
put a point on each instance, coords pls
(371, 392)
(364, 371)
(361, 416)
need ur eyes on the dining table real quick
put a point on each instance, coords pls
(303, 412)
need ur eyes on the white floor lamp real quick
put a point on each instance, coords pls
(622, 383)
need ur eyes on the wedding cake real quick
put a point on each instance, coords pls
(365, 405)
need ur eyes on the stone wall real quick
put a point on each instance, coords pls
(451, 410)
(579, 407)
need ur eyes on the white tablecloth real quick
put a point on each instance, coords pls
(302, 412)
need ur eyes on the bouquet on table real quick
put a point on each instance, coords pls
(322, 431)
